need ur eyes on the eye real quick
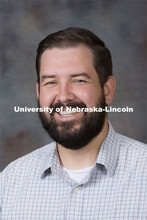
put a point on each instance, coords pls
(50, 83)
(79, 81)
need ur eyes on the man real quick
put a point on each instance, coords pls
(90, 172)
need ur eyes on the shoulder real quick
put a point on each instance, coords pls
(25, 169)
(29, 162)
(132, 144)
(133, 152)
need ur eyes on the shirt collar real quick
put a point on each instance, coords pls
(51, 163)
(48, 159)
(109, 151)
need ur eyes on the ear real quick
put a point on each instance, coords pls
(37, 89)
(109, 89)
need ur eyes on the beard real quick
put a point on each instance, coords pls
(66, 133)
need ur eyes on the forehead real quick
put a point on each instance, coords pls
(57, 57)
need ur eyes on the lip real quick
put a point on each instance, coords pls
(66, 116)
(67, 113)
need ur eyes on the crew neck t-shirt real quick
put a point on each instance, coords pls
(80, 174)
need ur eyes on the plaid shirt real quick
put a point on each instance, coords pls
(35, 187)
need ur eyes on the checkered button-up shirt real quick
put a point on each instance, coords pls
(36, 187)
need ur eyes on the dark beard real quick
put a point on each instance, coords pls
(65, 134)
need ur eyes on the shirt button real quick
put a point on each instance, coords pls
(76, 190)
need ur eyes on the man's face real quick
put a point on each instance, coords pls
(68, 78)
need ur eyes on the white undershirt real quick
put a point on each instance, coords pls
(79, 175)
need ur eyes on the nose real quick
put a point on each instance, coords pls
(65, 93)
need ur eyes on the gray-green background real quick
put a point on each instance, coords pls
(122, 26)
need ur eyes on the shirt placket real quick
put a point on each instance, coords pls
(74, 207)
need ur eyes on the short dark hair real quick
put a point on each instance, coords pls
(72, 37)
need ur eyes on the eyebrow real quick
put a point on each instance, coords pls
(46, 77)
(72, 75)
(81, 74)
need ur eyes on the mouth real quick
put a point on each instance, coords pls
(67, 113)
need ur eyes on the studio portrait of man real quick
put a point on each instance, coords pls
(89, 171)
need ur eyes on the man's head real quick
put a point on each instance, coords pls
(74, 69)
(72, 37)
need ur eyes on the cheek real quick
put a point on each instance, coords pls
(46, 98)
(88, 96)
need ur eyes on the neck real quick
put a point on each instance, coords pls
(84, 157)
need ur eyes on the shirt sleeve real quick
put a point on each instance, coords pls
(1, 190)
(3, 183)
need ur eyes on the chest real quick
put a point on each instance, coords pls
(54, 198)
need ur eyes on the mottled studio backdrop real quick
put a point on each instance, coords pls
(120, 23)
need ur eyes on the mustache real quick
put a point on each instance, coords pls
(67, 104)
